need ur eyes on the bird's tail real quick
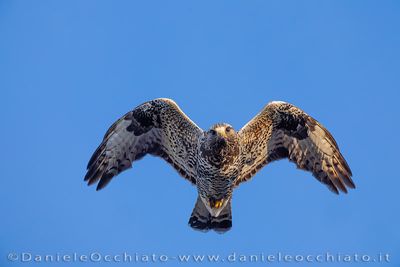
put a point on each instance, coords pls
(202, 220)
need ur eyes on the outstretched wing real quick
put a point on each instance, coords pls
(157, 127)
(282, 130)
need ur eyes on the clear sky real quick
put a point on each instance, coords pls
(68, 69)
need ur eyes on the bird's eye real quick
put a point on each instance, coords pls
(228, 129)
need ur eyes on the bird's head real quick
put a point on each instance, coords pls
(220, 143)
(221, 132)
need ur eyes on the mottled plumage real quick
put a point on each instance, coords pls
(218, 160)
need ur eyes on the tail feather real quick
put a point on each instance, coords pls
(202, 220)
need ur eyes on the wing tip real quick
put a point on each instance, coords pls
(86, 178)
(333, 190)
(348, 184)
(103, 182)
(105, 179)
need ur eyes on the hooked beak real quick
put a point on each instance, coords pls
(217, 139)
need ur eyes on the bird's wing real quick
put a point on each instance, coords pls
(282, 130)
(158, 127)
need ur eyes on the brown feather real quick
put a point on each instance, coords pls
(282, 130)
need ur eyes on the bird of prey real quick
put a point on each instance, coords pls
(219, 159)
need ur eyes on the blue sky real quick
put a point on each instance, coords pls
(68, 69)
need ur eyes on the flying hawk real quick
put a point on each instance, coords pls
(218, 160)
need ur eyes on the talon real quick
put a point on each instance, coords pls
(218, 204)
